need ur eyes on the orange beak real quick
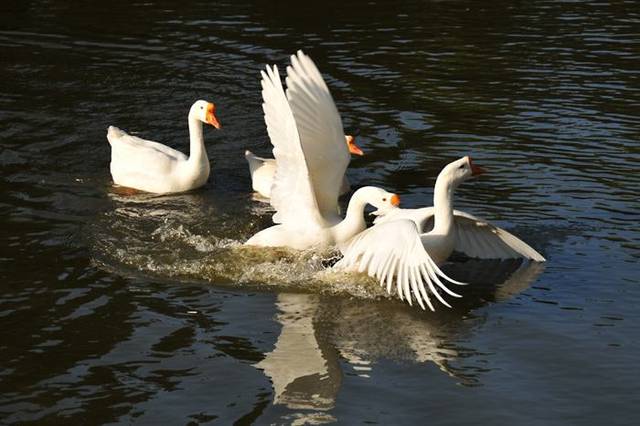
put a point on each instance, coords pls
(395, 200)
(476, 170)
(211, 117)
(353, 148)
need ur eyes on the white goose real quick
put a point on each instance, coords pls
(308, 144)
(263, 170)
(153, 167)
(395, 246)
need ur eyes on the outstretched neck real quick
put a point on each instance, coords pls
(353, 222)
(197, 153)
(443, 206)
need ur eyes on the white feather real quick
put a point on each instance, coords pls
(320, 129)
(401, 258)
(291, 194)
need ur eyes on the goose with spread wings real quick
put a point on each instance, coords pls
(308, 140)
(398, 250)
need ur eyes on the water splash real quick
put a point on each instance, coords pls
(172, 247)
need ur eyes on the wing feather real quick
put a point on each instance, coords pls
(320, 131)
(391, 273)
(424, 272)
(134, 159)
(291, 193)
(120, 139)
(478, 238)
(393, 253)
(416, 288)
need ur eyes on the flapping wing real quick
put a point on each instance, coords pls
(474, 237)
(392, 252)
(320, 129)
(478, 238)
(291, 194)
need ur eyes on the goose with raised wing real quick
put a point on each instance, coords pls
(397, 250)
(153, 167)
(263, 170)
(473, 237)
(306, 131)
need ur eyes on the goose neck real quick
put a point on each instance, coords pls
(443, 205)
(353, 223)
(197, 152)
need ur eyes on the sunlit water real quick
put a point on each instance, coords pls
(147, 309)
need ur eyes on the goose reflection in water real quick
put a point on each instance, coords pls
(319, 333)
(303, 367)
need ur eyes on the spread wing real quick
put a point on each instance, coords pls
(292, 195)
(478, 238)
(474, 237)
(392, 252)
(320, 129)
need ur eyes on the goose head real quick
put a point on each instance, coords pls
(377, 197)
(351, 144)
(459, 171)
(205, 112)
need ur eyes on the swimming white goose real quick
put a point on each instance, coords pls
(395, 246)
(263, 170)
(153, 167)
(306, 131)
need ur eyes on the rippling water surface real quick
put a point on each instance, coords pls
(121, 309)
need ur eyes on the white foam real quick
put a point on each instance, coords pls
(173, 250)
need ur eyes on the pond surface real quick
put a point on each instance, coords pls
(146, 310)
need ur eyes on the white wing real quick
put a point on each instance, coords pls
(474, 237)
(393, 251)
(120, 139)
(478, 238)
(131, 154)
(291, 194)
(320, 129)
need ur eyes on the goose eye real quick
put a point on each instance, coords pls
(461, 166)
(384, 199)
(201, 107)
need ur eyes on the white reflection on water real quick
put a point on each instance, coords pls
(302, 377)
(319, 338)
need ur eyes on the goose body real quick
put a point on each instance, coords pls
(153, 167)
(263, 171)
(398, 250)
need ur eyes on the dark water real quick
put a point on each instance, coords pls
(144, 310)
